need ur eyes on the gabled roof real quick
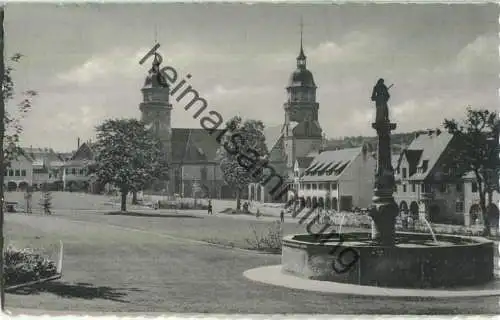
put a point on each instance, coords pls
(334, 161)
(272, 135)
(193, 145)
(427, 147)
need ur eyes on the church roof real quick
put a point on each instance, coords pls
(301, 77)
(193, 145)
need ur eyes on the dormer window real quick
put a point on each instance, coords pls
(425, 165)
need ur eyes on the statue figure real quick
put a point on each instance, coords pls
(156, 76)
(380, 95)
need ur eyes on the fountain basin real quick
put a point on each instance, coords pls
(416, 261)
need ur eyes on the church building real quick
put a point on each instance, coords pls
(190, 152)
(299, 139)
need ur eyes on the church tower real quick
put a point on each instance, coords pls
(302, 132)
(155, 107)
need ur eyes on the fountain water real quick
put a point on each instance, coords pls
(341, 223)
(430, 229)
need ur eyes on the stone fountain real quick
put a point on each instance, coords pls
(386, 258)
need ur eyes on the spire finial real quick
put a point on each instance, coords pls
(301, 31)
(301, 59)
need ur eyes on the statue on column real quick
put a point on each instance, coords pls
(381, 96)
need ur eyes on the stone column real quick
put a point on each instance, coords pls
(384, 209)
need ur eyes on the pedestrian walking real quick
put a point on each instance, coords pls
(282, 216)
(28, 196)
(209, 209)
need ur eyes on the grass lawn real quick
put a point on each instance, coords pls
(136, 264)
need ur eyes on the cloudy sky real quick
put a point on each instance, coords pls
(83, 61)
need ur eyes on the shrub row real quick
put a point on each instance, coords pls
(184, 205)
(25, 265)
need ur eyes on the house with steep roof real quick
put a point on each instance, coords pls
(424, 190)
(339, 179)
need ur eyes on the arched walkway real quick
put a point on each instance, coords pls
(414, 210)
(335, 204)
(11, 186)
(475, 214)
(403, 207)
(23, 186)
(328, 203)
(302, 202)
(321, 203)
(308, 202)
(314, 202)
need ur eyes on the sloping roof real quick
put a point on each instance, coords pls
(84, 152)
(193, 144)
(430, 147)
(41, 156)
(272, 135)
(335, 161)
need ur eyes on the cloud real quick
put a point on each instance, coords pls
(119, 62)
(480, 56)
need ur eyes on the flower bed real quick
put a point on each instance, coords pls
(25, 265)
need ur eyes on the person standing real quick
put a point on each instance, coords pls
(282, 216)
(210, 212)
(28, 196)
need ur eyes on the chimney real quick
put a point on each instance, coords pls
(78, 144)
(430, 132)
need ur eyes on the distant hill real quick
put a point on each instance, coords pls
(399, 141)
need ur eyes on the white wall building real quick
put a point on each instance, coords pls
(339, 179)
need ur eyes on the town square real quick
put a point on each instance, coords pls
(343, 160)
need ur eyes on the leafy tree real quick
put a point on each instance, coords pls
(240, 151)
(13, 120)
(129, 156)
(476, 150)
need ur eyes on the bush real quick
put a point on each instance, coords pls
(269, 241)
(183, 205)
(25, 265)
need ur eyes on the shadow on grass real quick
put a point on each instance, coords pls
(154, 215)
(78, 290)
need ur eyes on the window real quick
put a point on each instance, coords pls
(67, 171)
(81, 172)
(459, 187)
(18, 172)
(314, 186)
(404, 187)
(308, 186)
(11, 173)
(395, 188)
(474, 187)
(413, 188)
(459, 207)
(426, 188)
(23, 173)
(73, 170)
(334, 186)
(442, 187)
(425, 164)
(404, 172)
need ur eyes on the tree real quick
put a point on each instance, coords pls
(129, 156)
(10, 129)
(239, 152)
(476, 150)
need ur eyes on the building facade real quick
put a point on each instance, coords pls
(425, 191)
(339, 179)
